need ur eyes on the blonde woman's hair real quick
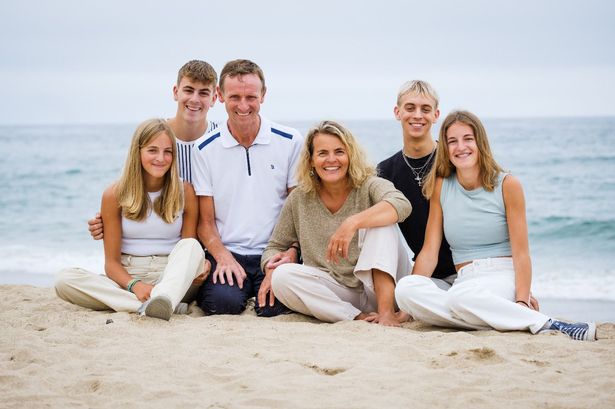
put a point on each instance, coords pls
(443, 167)
(358, 167)
(130, 189)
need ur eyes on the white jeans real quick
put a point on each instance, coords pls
(314, 292)
(171, 276)
(482, 297)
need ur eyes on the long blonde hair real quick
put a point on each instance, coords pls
(130, 189)
(358, 167)
(443, 167)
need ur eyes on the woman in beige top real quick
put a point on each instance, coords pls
(343, 220)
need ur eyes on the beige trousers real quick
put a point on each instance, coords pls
(314, 292)
(171, 276)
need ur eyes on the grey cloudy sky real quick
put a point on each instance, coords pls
(82, 61)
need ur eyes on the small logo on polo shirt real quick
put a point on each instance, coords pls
(272, 167)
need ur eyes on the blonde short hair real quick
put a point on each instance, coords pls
(418, 87)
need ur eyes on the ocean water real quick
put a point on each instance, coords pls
(52, 178)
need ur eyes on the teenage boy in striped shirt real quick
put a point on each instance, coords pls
(195, 93)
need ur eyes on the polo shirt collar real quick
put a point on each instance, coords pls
(262, 138)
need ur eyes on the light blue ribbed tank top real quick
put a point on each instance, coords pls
(474, 221)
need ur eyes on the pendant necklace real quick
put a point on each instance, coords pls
(419, 172)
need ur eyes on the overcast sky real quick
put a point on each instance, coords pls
(115, 61)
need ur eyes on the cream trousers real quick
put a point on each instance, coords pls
(314, 292)
(482, 297)
(171, 276)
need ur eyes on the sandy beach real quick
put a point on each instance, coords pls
(55, 354)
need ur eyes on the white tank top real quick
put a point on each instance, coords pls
(152, 236)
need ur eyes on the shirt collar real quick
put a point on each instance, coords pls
(262, 138)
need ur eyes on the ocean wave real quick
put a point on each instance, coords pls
(570, 283)
(553, 277)
(562, 227)
(44, 260)
(574, 160)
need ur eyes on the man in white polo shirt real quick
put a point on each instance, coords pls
(242, 173)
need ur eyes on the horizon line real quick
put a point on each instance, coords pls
(127, 122)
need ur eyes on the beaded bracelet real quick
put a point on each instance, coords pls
(132, 284)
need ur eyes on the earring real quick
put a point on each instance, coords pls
(312, 172)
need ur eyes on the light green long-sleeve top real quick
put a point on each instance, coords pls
(305, 219)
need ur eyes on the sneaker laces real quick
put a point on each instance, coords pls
(579, 331)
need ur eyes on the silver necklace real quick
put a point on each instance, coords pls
(419, 173)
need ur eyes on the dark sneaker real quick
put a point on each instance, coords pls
(579, 331)
(159, 307)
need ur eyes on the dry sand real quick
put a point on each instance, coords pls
(54, 354)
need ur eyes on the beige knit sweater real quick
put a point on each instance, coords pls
(305, 219)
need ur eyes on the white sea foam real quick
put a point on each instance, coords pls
(548, 282)
(571, 285)
(41, 260)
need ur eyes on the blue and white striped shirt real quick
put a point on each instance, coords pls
(184, 155)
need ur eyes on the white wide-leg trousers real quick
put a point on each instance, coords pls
(171, 276)
(314, 292)
(482, 297)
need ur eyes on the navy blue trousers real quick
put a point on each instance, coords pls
(226, 299)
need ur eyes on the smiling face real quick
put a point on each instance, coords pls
(194, 98)
(330, 159)
(417, 113)
(461, 143)
(242, 96)
(157, 157)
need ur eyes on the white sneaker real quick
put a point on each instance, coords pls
(159, 307)
(182, 308)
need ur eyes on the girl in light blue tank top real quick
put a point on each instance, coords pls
(480, 210)
(152, 256)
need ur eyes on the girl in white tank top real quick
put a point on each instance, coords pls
(150, 215)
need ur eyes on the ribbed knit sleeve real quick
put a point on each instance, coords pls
(284, 233)
(381, 189)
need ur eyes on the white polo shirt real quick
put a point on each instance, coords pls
(249, 186)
